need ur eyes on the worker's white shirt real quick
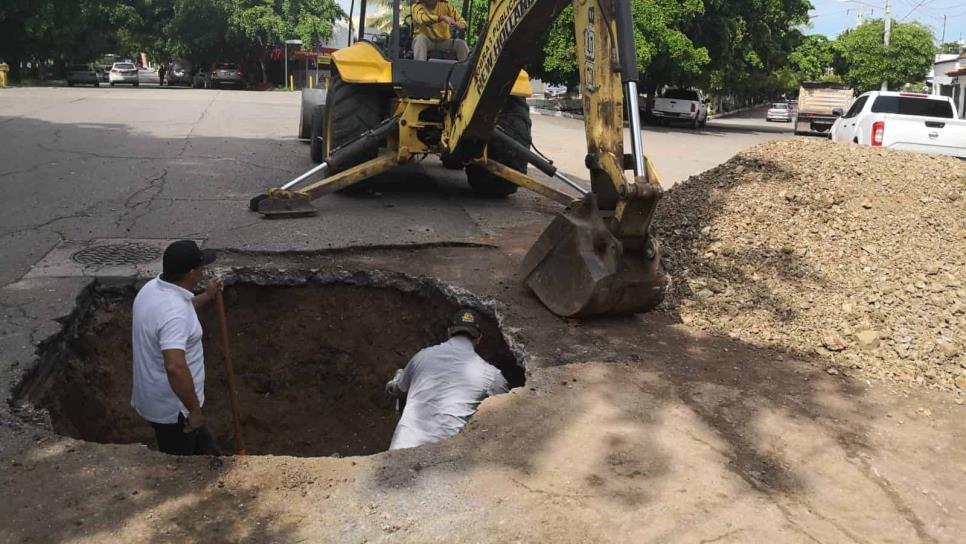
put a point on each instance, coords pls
(445, 385)
(164, 318)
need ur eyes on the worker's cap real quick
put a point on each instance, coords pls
(467, 321)
(185, 255)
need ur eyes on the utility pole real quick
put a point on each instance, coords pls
(352, 7)
(886, 36)
(942, 41)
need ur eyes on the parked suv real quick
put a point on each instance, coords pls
(124, 72)
(225, 73)
(83, 74)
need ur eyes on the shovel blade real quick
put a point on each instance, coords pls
(281, 208)
(578, 268)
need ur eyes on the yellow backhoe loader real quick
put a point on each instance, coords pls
(383, 109)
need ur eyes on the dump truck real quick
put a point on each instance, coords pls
(817, 102)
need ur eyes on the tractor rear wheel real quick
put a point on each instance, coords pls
(352, 109)
(515, 121)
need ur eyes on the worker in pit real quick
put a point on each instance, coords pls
(168, 388)
(432, 20)
(444, 385)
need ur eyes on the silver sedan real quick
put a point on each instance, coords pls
(780, 111)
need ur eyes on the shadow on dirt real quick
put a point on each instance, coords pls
(728, 384)
(649, 366)
(163, 498)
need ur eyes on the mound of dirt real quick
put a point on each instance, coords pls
(853, 253)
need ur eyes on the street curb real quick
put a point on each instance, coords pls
(733, 112)
(556, 113)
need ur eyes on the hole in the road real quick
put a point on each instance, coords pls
(311, 362)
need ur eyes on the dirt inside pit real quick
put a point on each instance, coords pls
(311, 363)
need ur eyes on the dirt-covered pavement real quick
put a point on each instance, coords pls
(627, 429)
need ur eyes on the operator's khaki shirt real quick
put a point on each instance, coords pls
(427, 22)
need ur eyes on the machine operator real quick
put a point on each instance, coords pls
(432, 20)
(444, 385)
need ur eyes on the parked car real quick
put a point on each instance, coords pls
(555, 91)
(225, 73)
(898, 120)
(124, 72)
(179, 73)
(686, 105)
(83, 74)
(817, 102)
(780, 111)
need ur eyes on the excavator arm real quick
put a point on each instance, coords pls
(598, 256)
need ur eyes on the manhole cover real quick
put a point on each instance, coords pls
(116, 254)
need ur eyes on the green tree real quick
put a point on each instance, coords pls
(749, 40)
(952, 48)
(65, 31)
(664, 49)
(198, 30)
(268, 23)
(867, 62)
(811, 58)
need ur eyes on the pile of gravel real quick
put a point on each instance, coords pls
(854, 254)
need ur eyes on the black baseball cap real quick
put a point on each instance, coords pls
(466, 321)
(185, 255)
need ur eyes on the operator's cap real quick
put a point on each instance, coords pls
(185, 255)
(467, 321)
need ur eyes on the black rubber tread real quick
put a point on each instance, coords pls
(352, 109)
(515, 121)
(316, 146)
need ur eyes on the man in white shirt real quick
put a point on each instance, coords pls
(169, 363)
(444, 385)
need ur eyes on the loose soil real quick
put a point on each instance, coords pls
(852, 254)
(311, 365)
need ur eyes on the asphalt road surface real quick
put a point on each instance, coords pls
(677, 151)
(86, 163)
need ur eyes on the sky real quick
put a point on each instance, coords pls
(831, 17)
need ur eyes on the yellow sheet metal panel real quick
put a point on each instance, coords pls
(362, 63)
(522, 87)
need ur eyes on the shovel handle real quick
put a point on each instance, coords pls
(230, 373)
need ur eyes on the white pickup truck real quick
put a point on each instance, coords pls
(681, 105)
(897, 120)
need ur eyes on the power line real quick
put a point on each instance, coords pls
(917, 6)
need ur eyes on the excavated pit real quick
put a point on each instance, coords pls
(311, 357)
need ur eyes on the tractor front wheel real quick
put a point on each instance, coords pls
(515, 121)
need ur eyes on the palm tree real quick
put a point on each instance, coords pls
(381, 20)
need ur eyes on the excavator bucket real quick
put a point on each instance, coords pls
(577, 268)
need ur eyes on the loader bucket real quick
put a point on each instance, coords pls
(578, 268)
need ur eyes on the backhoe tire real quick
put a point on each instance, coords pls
(350, 110)
(316, 145)
(515, 121)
